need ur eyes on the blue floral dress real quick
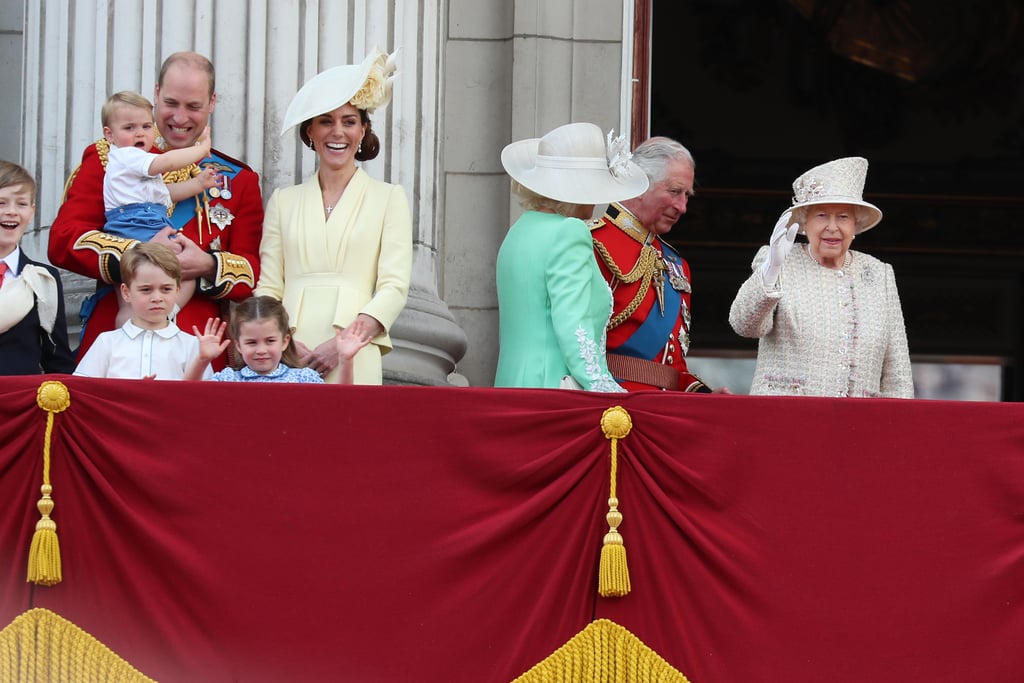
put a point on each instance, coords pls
(282, 373)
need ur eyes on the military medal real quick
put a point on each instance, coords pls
(220, 215)
(677, 279)
(680, 284)
(214, 192)
(226, 192)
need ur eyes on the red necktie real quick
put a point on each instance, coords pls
(3, 269)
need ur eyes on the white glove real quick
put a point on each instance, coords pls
(779, 245)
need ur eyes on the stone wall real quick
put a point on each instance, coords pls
(513, 70)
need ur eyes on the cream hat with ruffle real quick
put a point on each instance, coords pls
(837, 182)
(366, 86)
(575, 164)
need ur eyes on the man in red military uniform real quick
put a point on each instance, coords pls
(216, 235)
(649, 331)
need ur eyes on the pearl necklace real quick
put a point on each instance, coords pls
(846, 260)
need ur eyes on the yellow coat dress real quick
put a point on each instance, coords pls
(326, 271)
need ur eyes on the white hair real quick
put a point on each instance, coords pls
(653, 156)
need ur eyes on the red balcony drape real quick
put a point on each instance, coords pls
(289, 532)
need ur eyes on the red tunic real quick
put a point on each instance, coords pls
(645, 332)
(229, 229)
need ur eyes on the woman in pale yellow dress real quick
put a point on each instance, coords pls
(337, 249)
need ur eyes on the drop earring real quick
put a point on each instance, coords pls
(311, 145)
(359, 149)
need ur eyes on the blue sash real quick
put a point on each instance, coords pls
(186, 210)
(650, 338)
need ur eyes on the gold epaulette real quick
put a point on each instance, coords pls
(103, 151)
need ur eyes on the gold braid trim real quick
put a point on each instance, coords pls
(603, 651)
(643, 270)
(42, 646)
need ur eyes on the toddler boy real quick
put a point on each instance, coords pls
(135, 197)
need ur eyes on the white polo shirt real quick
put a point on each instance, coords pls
(134, 353)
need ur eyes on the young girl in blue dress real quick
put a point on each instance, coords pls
(262, 336)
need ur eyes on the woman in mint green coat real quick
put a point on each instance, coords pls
(553, 303)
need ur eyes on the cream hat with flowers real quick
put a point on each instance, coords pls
(837, 182)
(576, 164)
(366, 86)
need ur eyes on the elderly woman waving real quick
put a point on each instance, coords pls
(828, 318)
(553, 303)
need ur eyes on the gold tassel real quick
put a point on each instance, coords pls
(44, 555)
(613, 574)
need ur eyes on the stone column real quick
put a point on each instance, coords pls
(428, 342)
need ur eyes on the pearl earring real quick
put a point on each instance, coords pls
(359, 149)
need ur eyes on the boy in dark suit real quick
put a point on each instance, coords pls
(33, 330)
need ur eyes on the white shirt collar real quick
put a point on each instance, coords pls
(133, 330)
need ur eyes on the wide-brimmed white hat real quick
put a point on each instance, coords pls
(837, 182)
(367, 86)
(574, 163)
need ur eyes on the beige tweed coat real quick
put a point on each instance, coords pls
(825, 332)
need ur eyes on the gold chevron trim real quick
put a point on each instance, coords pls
(603, 652)
(40, 646)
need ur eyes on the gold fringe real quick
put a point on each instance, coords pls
(40, 646)
(613, 574)
(44, 556)
(603, 652)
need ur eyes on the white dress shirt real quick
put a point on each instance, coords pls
(134, 353)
